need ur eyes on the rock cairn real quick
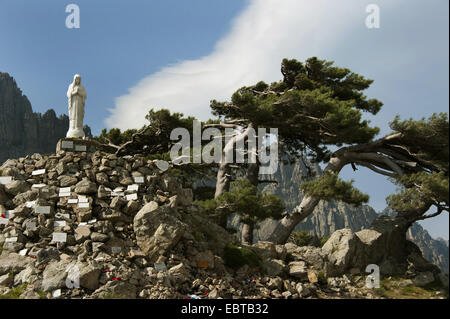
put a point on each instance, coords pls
(94, 225)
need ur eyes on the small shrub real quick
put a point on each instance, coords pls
(381, 292)
(197, 236)
(15, 292)
(204, 193)
(304, 238)
(323, 240)
(162, 157)
(322, 278)
(289, 257)
(42, 294)
(236, 257)
(112, 295)
(408, 290)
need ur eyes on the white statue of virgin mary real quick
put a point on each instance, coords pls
(76, 95)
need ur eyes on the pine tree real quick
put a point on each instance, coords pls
(314, 107)
(415, 157)
(245, 200)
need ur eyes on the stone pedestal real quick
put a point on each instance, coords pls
(81, 145)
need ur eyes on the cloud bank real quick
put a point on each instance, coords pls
(411, 45)
(260, 37)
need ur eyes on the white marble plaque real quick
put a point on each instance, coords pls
(72, 201)
(30, 204)
(42, 209)
(133, 188)
(139, 179)
(116, 250)
(132, 196)
(83, 205)
(59, 223)
(64, 194)
(3, 221)
(38, 172)
(82, 199)
(64, 190)
(117, 194)
(82, 224)
(67, 144)
(160, 267)
(11, 240)
(31, 225)
(5, 179)
(23, 252)
(80, 148)
(38, 185)
(59, 237)
(92, 221)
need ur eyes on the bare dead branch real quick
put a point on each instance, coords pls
(375, 169)
(423, 217)
(375, 158)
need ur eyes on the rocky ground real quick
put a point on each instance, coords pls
(91, 225)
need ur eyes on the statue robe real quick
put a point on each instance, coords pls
(76, 95)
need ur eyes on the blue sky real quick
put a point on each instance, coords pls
(136, 54)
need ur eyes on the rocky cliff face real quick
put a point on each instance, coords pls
(327, 217)
(23, 132)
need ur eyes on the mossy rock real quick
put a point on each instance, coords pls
(390, 288)
(235, 257)
(15, 292)
(322, 278)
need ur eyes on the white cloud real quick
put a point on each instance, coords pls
(269, 30)
(261, 36)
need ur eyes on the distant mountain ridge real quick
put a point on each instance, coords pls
(23, 132)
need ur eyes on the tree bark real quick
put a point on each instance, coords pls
(253, 173)
(253, 177)
(223, 179)
(224, 172)
(247, 234)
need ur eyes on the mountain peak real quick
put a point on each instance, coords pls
(23, 132)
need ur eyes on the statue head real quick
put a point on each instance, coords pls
(77, 79)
